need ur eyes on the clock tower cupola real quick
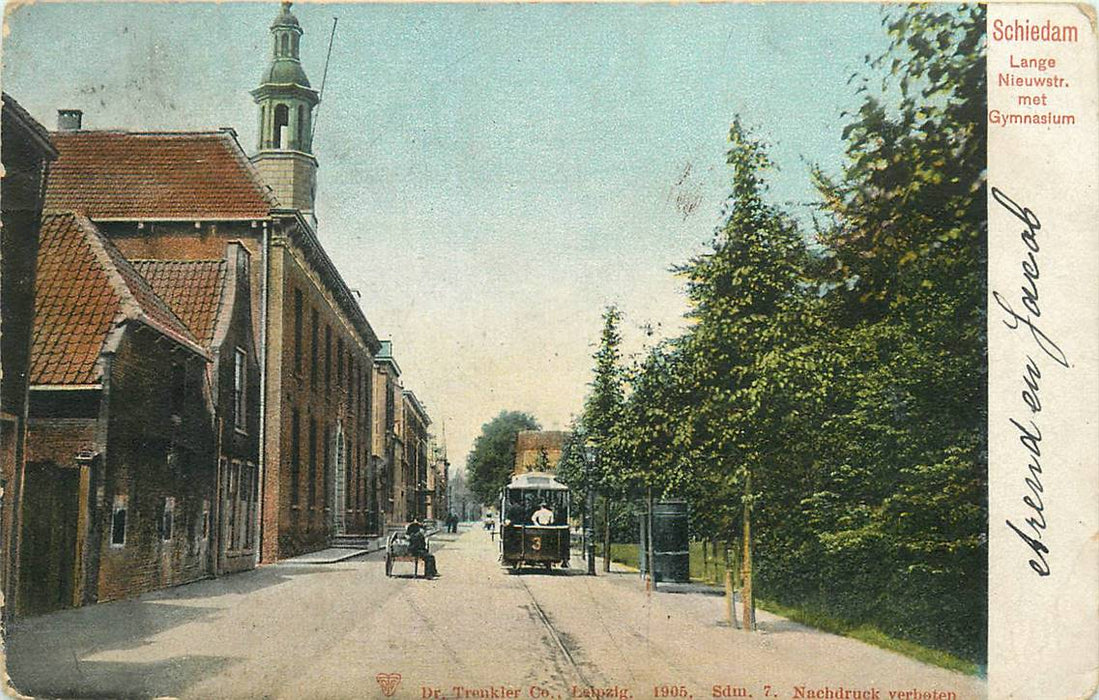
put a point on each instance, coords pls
(286, 102)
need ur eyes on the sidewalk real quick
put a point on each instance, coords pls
(333, 555)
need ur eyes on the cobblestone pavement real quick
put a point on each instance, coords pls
(329, 630)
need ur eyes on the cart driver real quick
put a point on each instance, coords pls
(417, 546)
(542, 516)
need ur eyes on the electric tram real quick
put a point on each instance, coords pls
(527, 540)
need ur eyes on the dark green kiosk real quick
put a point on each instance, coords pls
(671, 542)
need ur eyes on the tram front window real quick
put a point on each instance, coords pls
(522, 504)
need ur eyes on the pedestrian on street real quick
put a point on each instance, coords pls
(417, 546)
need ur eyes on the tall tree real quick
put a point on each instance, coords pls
(743, 293)
(492, 459)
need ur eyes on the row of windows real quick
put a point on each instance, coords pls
(240, 509)
(181, 383)
(286, 44)
(166, 522)
(280, 128)
(349, 375)
(345, 457)
(241, 504)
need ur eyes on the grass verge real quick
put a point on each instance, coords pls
(706, 570)
(871, 635)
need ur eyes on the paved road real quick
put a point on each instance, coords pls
(327, 631)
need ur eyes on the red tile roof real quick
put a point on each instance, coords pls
(192, 288)
(151, 176)
(84, 288)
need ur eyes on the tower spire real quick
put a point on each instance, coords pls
(286, 103)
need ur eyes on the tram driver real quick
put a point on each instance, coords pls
(542, 516)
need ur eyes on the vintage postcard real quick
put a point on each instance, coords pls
(549, 350)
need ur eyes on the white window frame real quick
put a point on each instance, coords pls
(167, 519)
(120, 505)
(240, 390)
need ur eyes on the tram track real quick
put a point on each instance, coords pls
(555, 636)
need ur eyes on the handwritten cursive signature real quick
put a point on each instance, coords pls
(1030, 435)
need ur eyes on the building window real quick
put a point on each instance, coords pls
(350, 486)
(232, 505)
(301, 127)
(297, 330)
(367, 398)
(205, 519)
(327, 464)
(240, 383)
(167, 516)
(282, 123)
(312, 461)
(179, 388)
(339, 361)
(118, 522)
(328, 358)
(315, 334)
(250, 507)
(295, 456)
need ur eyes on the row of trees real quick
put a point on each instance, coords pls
(832, 382)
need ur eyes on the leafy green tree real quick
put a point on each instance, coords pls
(745, 294)
(905, 438)
(492, 459)
(604, 403)
(840, 394)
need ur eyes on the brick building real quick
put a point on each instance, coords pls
(415, 462)
(438, 478)
(121, 447)
(387, 439)
(538, 450)
(213, 299)
(26, 152)
(186, 196)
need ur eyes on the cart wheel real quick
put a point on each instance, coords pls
(388, 564)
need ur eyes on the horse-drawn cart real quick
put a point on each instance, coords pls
(397, 549)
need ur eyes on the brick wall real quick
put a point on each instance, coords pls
(325, 371)
(154, 453)
(238, 488)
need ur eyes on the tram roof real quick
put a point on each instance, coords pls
(537, 480)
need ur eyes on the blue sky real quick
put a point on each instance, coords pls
(491, 175)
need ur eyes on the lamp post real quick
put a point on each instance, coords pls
(591, 454)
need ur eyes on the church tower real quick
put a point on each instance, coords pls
(286, 102)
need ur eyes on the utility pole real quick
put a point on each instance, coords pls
(591, 453)
(650, 554)
(606, 535)
(747, 601)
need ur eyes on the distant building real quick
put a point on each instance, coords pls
(438, 482)
(27, 152)
(120, 476)
(538, 450)
(414, 464)
(387, 450)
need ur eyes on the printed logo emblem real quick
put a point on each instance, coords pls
(388, 682)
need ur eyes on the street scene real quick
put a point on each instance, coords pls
(480, 351)
(317, 630)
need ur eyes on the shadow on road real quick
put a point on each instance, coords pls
(80, 652)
